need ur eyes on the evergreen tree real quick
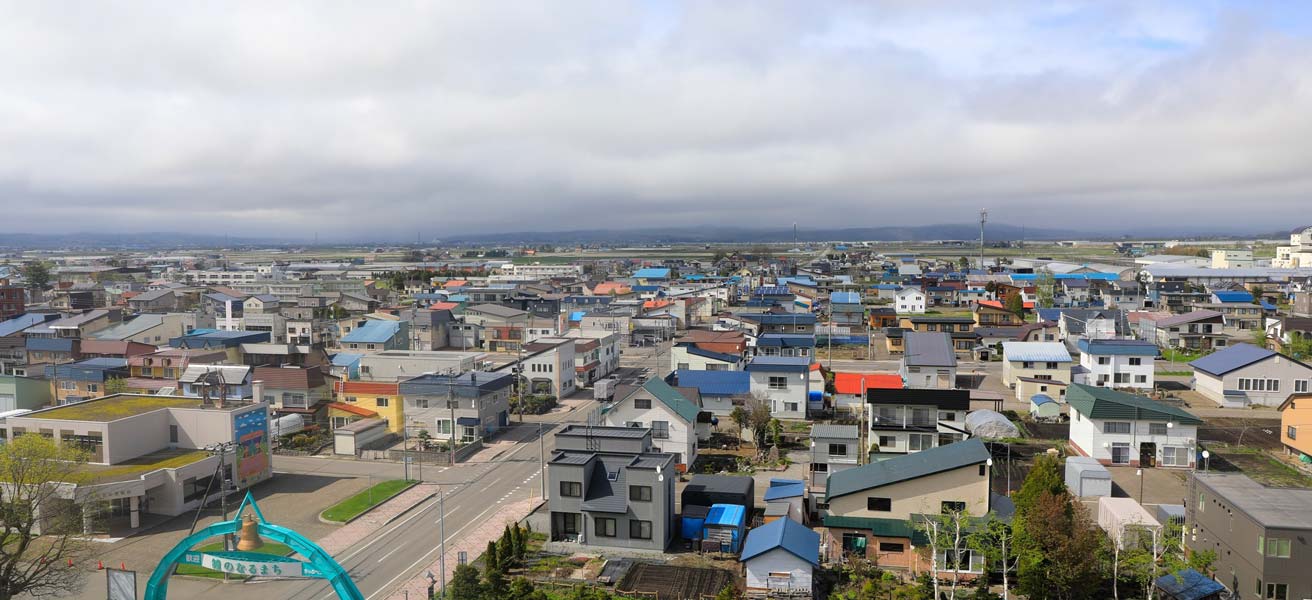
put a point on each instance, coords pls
(465, 584)
(1045, 477)
(491, 562)
(505, 550)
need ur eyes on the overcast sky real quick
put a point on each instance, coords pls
(386, 118)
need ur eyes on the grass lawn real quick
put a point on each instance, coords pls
(360, 503)
(1174, 373)
(1180, 356)
(1257, 464)
(199, 571)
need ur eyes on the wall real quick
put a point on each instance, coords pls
(682, 440)
(1277, 367)
(1013, 369)
(778, 561)
(798, 388)
(1233, 536)
(1119, 364)
(126, 439)
(1298, 416)
(680, 355)
(1088, 438)
(923, 495)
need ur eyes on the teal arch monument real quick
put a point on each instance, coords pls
(319, 564)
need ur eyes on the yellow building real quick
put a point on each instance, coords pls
(1296, 425)
(383, 398)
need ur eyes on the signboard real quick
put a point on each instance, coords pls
(251, 432)
(121, 585)
(251, 564)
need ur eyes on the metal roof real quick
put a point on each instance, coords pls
(1118, 347)
(726, 514)
(672, 399)
(785, 533)
(1189, 317)
(1036, 352)
(1188, 585)
(1105, 403)
(127, 329)
(374, 331)
(22, 322)
(1233, 296)
(715, 383)
(906, 467)
(652, 273)
(1285, 508)
(834, 432)
(785, 340)
(845, 298)
(599, 431)
(1231, 358)
(785, 364)
(720, 356)
(785, 488)
(924, 349)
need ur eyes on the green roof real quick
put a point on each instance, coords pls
(1105, 403)
(906, 467)
(672, 398)
(147, 463)
(893, 528)
(113, 408)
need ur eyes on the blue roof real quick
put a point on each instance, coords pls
(1184, 585)
(772, 290)
(213, 338)
(785, 340)
(1041, 399)
(784, 533)
(646, 288)
(1233, 296)
(726, 514)
(886, 286)
(786, 364)
(1231, 358)
(1085, 276)
(784, 488)
(1267, 305)
(577, 315)
(845, 298)
(1118, 347)
(373, 332)
(780, 319)
(343, 359)
(458, 298)
(22, 322)
(652, 273)
(94, 369)
(49, 344)
(720, 356)
(716, 383)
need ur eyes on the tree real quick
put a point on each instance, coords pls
(1060, 552)
(116, 385)
(1260, 338)
(1045, 477)
(465, 584)
(964, 263)
(37, 275)
(728, 592)
(1016, 304)
(995, 540)
(740, 419)
(758, 417)
(776, 429)
(519, 541)
(491, 562)
(506, 550)
(1045, 285)
(35, 553)
(947, 534)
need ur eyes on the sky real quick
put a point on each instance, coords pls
(376, 120)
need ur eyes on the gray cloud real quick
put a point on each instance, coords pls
(377, 119)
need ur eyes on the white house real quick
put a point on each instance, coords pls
(910, 300)
(1036, 360)
(780, 557)
(673, 419)
(1116, 363)
(929, 361)
(1117, 428)
(1245, 375)
(784, 380)
(689, 357)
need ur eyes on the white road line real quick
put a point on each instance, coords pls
(394, 551)
(406, 571)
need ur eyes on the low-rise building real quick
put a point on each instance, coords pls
(913, 420)
(478, 401)
(780, 557)
(784, 382)
(75, 382)
(851, 389)
(368, 399)
(293, 390)
(1117, 428)
(1036, 360)
(909, 301)
(1116, 363)
(929, 361)
(1295, 425)
(1246, 375)
(677, 424)
(833, 449)
(720, 391)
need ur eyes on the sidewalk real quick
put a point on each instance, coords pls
(382, 514)
(473, 542)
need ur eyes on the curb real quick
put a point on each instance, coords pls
(371, 508)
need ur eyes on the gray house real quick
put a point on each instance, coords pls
(929, 361)
(616, 499)
(481, 402)
(1245, 375)
(1260, 534)
(833, 449)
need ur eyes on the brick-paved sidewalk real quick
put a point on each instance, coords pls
(473, 542)
(382, 514)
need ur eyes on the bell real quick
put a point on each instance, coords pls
(250, 535)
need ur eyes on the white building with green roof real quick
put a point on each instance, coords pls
(1118, 428)
(677, 423)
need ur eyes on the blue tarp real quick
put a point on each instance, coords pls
(727, 516)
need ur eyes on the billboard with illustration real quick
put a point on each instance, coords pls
(251, 430)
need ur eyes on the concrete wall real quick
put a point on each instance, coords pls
(1277, 367)
(1014, 369)
(1233, 536)
(1119, 364)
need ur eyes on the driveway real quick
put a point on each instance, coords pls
(1159, 486)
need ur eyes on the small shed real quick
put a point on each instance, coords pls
(709, 490)
(780, 557)
(1042, 406)
(351, 438)
(777, 510)
(1087, 478)
(726, 524)
(1188, 585)
(787, 492)
(693, 522)
(1128, 523)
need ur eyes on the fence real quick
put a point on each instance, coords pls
(426, 457)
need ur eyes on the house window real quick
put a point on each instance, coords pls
(778, 383)
(920, 441)
(640, 493)
(1120, 453)
(879, 504)
(683, 366)
(605, 526)
(887, 441)
(571, 489)
(891, 547)
(959, 561)
(1051, 365)
(642, 403)
(1136, 361)
(173, 434)
(838, 449)
(1027, 365)
(1141, 379)
(1157, 429)
(1277, 548)
(951, 506)
(1277, 591)
(983, 470)
(820, 467)
(351, 399)
(1103, 360)
(68, 385)
(640, 530)
(1121, 378)
(380, 402)
(91, 387)
(569, 523)
(1116, 427)
(791, 407)
(854, 543)
(1175, 456)
(1292, 432)
(1300, 386)
(660, 430)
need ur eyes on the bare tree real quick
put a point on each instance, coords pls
(42, 525)
(947, 533)
(758, 417)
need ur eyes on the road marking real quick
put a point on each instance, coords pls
(406, 571)
(394, 551)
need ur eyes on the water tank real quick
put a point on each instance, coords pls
(287, 425)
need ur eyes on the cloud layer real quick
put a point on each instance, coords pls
(385, 119)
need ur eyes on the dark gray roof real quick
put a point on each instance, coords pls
(720, 484)
(841, 432)
(571, 458)
(929, 350)
(604, 495)
(631, 433)
(1286, 508)
(906, 467)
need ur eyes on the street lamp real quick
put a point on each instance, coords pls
(1139, 472)
(1206, 455)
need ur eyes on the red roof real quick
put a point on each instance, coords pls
(850, 383)
(444, 306)
(998, 304)
(355, 410)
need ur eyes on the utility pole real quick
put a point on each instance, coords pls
(451, 405)
(441, 532)
(542, 460)
(983, 218)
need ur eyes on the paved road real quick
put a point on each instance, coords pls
(397, 552)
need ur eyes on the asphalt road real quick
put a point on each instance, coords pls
(402, 549)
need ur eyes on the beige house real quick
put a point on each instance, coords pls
(1035, 360)
(867, 510)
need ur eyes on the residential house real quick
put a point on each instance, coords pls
(607, 498)
(97, 348)
(1196, 330)
(1116, 363)
(1258, 533)
(217, 382)
(909, 301)
(784, 381)
(161, 300)
(1117, 428)
(395, 365)
(765, 323)
(785, 344)
(692, 357)
(720, 391)
(850, 389)
(1036, 360)
(377, 335)
(367, 399)
(293, 390)
(677, 424)
(881, 317)
(1296, 425)
(833, 449)
(987, 315)
(151, 373)
(23, 393)
(913, 420)
(13, 300)
(846, 309)
(75, 382)
(1245, 375)
(723, 342)
(961, 329)
(548, 366)
(478, 401)
(868, 509)
(155, 329)
(504, 328)
(780, 557)
(929, 361)
(596, 355)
